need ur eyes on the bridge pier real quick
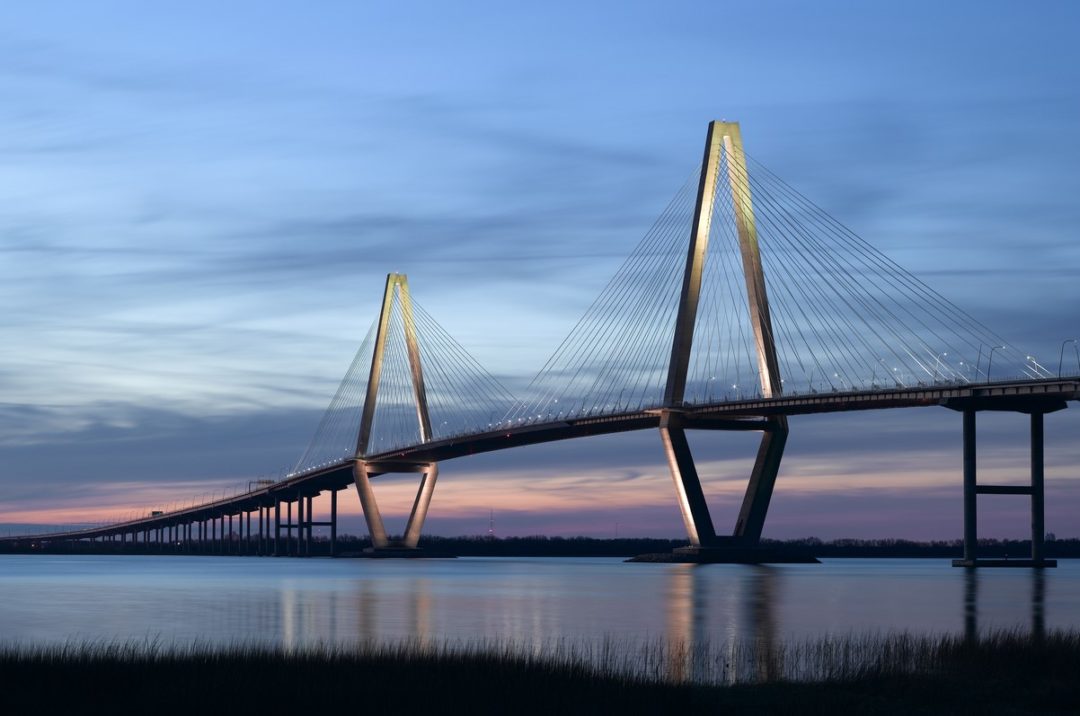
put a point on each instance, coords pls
(333, 522)
(277, 527)
(380, 541)
(743, 545)
(296, 533)
(310, 524)
(1035, 489)
(264, 531)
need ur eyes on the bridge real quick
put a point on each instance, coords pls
(743, 305)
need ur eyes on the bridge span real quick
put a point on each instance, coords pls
(686, 336)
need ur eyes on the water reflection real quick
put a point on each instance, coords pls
(367, 612)
(971, 605)
(761, 605)
(1038, 604)
(699, 614)
(1037, 599)
(420, 611)
(696, 600)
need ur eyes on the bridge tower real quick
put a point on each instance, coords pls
(723, 147)
(397, 289)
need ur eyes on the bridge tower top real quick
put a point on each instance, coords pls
(723, 148)
(397, 286)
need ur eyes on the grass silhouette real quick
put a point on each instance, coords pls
(1001, 672)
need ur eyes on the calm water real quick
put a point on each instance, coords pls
(49, 599)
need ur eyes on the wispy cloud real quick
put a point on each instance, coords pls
(197, 219)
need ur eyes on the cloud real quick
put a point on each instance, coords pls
(195, 235)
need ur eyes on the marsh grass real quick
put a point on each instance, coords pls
(1002, 672)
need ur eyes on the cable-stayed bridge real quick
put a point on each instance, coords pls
(742, 305)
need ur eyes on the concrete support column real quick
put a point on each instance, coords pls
(229, 538)
(300, 525)
(759, 490)
(695, 512)
(277, 528)
(374, 521)
(333, 523)
(289, 526)
(420, 506)
(1038, 517)
(971, 537)
(310, 519)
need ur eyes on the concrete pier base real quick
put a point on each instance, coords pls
(1037, 563)
(733, 554)
(401, 552)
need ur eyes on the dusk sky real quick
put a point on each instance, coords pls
(199, 203)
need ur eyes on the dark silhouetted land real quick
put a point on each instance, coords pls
(542, 546)
(900, 674)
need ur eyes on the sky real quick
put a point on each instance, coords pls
(199, 203)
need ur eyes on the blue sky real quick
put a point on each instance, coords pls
(199, 203)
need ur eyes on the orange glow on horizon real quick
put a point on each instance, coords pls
(538, 492)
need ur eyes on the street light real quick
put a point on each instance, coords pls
(990, 360)
(1061, 355)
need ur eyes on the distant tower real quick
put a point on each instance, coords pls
(491, 525)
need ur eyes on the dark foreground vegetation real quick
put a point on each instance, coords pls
(541, 546)
(1003, 673)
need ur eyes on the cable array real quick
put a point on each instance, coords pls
(844, 317)
(462, 398)
(615, 358)
(335, 437)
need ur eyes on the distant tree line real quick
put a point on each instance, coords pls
(543, 546)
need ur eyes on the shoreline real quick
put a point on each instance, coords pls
(350, 547)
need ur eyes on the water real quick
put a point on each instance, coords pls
(48, 599)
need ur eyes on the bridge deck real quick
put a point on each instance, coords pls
(1022, 396)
